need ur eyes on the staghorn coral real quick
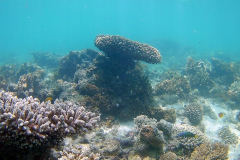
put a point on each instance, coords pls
(178, 85)
(194, 113)
(118, 46)
(207, 151)
(227, 136)
(27, 124)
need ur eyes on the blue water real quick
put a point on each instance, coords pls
(60, 26)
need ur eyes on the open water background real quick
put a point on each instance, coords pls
(60, 26)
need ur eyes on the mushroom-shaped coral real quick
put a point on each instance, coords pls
(118, 46)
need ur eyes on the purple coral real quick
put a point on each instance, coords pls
(27, 123)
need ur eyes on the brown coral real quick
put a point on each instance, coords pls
(168, 156)
(194, 113)
(207, 151)
(199, 74)
(118, 46)
(152, 136)
(178, 85)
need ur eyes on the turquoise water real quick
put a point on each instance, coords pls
(60, 26)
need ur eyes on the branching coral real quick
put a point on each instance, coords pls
(27, 124)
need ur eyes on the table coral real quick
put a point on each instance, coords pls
(118, 46)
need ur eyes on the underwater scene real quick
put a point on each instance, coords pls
(119, 80)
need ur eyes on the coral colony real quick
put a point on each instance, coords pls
(51, 109)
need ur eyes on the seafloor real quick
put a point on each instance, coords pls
(126, 101)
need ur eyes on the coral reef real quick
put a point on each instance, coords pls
(11, 73)
(68, 64)
(238, 116)
(141, 120)
(194, 113)
(227, 136)
(224, 73)
(168, 114)
(65, 90)
(207, 110)
(152, 136)
(26, 124)
(168, 156)
(82, 151)
(122, 87)
(234, 92)
(118, 46)
(25, 69)
(178, 85)
(46, 59)
(175, 142)
(158, 134)
(104, 143)
(199, 74)
(210, 151)
(8, 71)
(30, 85)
